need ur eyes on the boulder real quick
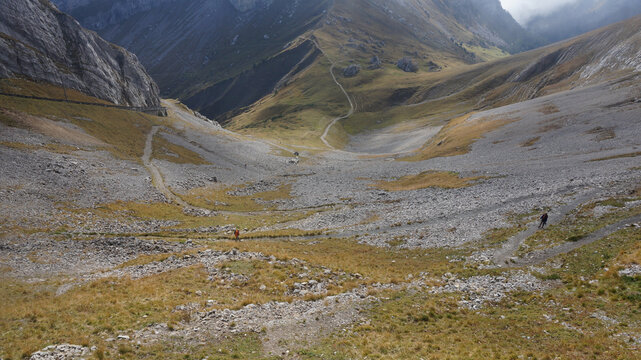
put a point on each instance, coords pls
(374, 63)
(433, 67)
(351, 70)
(407, 64)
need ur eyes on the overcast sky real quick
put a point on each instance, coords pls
(523, 10)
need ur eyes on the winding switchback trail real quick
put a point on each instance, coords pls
(503, 255)
(539, 257)
(352, 104)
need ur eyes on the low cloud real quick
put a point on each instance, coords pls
(524, 10)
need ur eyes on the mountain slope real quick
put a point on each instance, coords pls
(388, 97)
(42, 44)
(200, 51)
(190, 45)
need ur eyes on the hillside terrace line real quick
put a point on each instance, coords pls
(157, 111)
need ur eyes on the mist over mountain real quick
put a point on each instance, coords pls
(581, 16)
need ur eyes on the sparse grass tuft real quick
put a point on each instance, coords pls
(531, 142)
(549, 109)
(602, 134)
(621, 156)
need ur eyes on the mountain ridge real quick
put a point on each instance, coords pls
(219, 40)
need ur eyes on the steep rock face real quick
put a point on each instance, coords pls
(189, 46)
(40, 43)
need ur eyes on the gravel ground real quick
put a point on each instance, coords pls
(44, 190)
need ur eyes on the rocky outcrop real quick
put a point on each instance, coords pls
(407, 64)
(432, 66)
(40, 43)
(375, 63)
(351, 70)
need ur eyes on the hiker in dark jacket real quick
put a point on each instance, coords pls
(544, 221)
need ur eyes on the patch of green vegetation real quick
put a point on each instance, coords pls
(486, 53)
(125, 131)
(51, 147)
(374, 263)
(427, 179)
(44, 90)
(497, 236)
(219, 198)
(299, 113)
(239, 346)
(418, 325)
(579, 224)
(457, 137)
(171, 212)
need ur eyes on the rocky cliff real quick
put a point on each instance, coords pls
(43, 44)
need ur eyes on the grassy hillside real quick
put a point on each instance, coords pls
(389, 96)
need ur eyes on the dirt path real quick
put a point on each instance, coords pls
(156, 176)
(503, 255)
(538, 257)
(352, 107)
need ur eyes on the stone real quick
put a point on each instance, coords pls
(351, 70)
(374, 63)
(64, 351)
(407, 64)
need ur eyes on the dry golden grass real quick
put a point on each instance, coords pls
(59, 131)
(32, 316)
(218, 198)
(531, 142)
(171, 212)
(123, 131)
(427, 179)
(51, 147)
(281, 233)
(375, 263)
(602, 134)
(622, 156)
(30, 88)
(549, 109)
(457, 137)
